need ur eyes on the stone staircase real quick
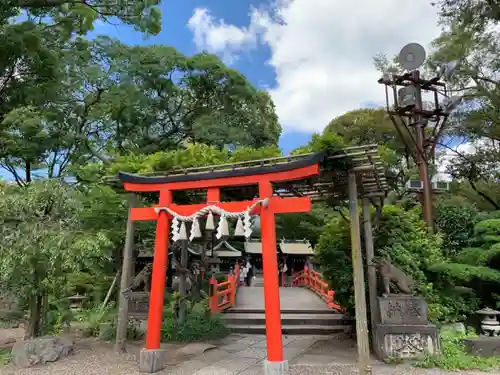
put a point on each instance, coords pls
(293, 322)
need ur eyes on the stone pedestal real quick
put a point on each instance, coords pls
(151, 361)
(138, 305)
(403, 330)
(276, 368)
(483, 346)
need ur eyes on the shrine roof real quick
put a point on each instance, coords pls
(296, 248)
(331, 182)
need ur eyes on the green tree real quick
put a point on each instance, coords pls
(36, 38)
(475, 270)
(115, 99)
(475, 44)
(367, 126)
(42, 242)
(307, 226)
(469, 13)
(455, 220)
(400, 236)
(80, 15)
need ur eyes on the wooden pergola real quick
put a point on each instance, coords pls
(269, 186)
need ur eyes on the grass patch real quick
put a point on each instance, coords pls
(454, 356)
(199, 325)
(5, 356)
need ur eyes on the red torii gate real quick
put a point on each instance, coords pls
(264, 177)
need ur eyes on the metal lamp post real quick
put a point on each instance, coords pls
(405, 108)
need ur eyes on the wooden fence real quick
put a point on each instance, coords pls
(313, 280)
(223, 295)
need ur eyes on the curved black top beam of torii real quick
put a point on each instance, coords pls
(317, 158)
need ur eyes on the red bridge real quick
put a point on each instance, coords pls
(308, 307)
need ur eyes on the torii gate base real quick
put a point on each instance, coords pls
(151, 358)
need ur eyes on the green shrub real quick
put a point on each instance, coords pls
(199, 325)
(107, 331)
(455, 220)
(488, 231)
(454, 356)
(5, 356)
(401, 236)
(94, 319)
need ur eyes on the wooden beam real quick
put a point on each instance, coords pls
(372, 272)
(182, 284)
(213, 195)
(126, 273)
(363, 342)
(297, 174)
(276, 205)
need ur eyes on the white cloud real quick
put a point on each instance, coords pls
(322, 50)
(218, 37)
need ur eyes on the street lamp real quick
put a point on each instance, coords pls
(409, 116)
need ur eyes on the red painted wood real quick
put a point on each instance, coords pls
(276, 205)
(271, 282)
(295, 174)
(213, 195)
(314, 282)
(156, 299)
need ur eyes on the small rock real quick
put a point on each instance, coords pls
(41, 350)
(7, 340)
(196, 348)
(457, 327)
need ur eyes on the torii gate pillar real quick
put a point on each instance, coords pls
(151, 359)
(274, 364)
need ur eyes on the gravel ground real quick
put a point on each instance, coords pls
(93, 357)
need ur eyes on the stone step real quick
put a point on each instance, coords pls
(286, 319)
(325, 311)
(305, 329)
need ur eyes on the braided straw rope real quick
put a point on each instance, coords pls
(214, 209)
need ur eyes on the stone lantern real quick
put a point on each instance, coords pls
(489, 323)
(76, 302)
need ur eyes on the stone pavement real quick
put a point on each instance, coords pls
(307, 355)
(234, 355)
(252, 298)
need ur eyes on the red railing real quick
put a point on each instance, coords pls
(223, 294)
(312, 280)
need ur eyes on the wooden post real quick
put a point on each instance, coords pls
(271, 283)
(359, 280)
(126, 272)
(372, 272)
(156, 299)
(182, 283)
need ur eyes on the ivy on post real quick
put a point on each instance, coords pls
(359, 279)
(126, 272)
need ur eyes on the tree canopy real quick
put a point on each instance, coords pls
(111, 99)
(75, 106)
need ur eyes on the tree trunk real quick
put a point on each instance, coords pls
(33, 329)
(483, 195)
(121, 329)
(182, 284)
(28, 171)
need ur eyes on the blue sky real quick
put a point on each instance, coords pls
(314, 56)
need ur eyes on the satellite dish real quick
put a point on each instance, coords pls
(412, 56)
